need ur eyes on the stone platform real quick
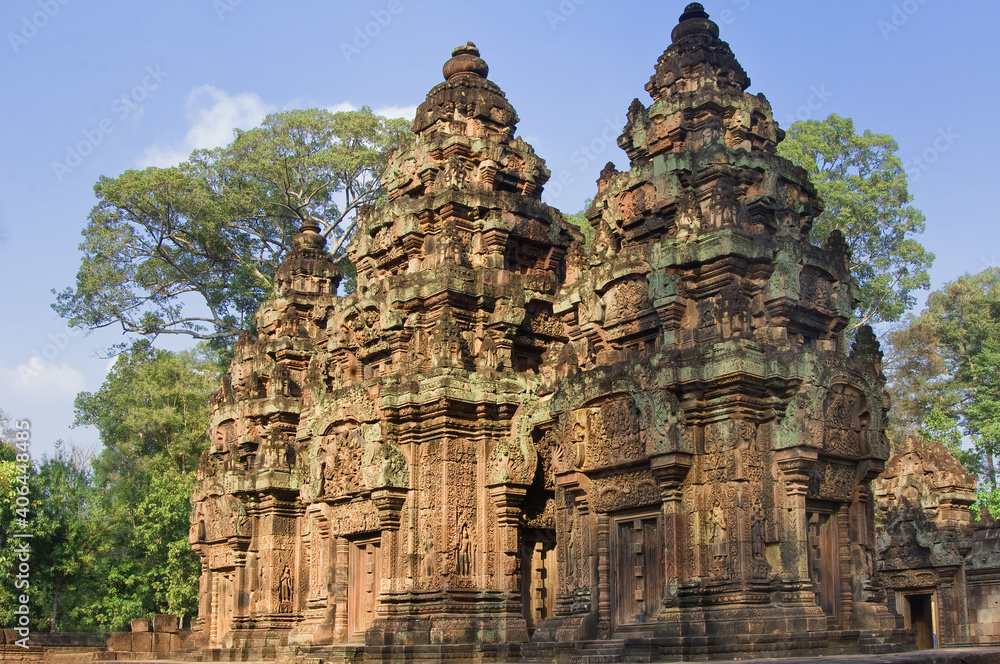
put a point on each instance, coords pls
(940, 656)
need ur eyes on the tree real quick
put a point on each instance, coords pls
(863, 184)
(152, 415)
(192, 249)
(579, 219)
(66, 546)
(945, 373)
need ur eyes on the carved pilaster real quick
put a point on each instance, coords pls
(795, 464)
(670, 471)
(507, 499)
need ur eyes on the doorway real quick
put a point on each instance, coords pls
(920, 617)
(363, 580)
(538, 576)
(824, 562)
(637, 575)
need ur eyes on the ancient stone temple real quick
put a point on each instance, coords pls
(942, 569)
(506, 447)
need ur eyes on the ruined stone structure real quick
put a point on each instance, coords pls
(506, 446)
(941, 568)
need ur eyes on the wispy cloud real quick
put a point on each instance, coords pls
(212, 115)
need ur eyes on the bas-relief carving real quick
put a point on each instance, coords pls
(490, 378)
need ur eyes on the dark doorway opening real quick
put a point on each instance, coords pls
(922, 619)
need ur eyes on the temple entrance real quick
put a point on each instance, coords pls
(538, 576)
(918, 614)
(824, 562)
(224, 610)
(363, 576)
(637, 577)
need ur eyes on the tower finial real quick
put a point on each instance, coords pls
(465, 61)
(694, 19)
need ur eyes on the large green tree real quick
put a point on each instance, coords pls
(863, 183)
(192, 249)
(152, 415)
(944, 373)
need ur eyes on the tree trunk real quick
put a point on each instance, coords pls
(991, 469)
(52, 618)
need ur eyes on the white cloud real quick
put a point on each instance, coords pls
(212, 115)
(405, 112)
(36, 376)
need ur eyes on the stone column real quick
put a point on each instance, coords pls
(670, 471)
(507, 499)
(603, 575)
(389, 502)
(795, 464)
(340, 565)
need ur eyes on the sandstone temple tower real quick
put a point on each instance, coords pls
(508, 446)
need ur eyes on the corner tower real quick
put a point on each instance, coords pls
(719, 432)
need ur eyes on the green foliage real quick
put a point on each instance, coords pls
(152, 406)
(580, 220)
(945, 373)
(863, 184)
(152, 414)
(192, 249)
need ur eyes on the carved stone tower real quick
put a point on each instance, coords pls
(717, 439)
(503, 447)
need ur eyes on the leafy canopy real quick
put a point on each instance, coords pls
(192, 249)
(944, 374)
(863, 183)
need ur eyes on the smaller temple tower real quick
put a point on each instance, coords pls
(939, 566)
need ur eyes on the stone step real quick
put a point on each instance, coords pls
(74, 655)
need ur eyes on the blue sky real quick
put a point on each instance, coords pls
(94, 89)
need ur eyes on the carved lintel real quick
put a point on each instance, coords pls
(389, 503)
